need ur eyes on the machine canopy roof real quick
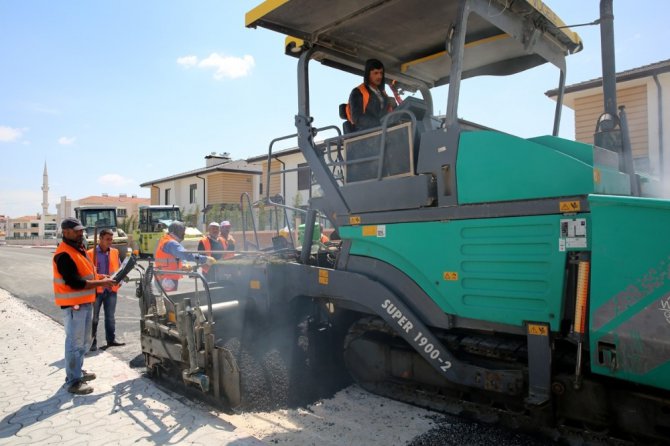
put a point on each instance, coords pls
(409, 37)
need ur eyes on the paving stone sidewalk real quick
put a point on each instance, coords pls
(125, 408)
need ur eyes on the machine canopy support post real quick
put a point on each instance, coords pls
(455, 49)
(608, 60)
(333, 200)
(559, 103)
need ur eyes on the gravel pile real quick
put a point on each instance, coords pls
(450, 431)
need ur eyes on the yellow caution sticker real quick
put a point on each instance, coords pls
(323, 276)
(255, 284)
(450, 275)
(597, 177)
(570, 206)
(354, 220)
(538, 330)
(369, 231)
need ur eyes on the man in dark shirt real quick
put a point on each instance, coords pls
(74, 275)
(369, 103)
(210, 244)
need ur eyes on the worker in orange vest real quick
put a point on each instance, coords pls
(324, 238)
(74, 283)
(107, 262)
(169, 256)
(212, 242)
(369, 103)
(229, 239)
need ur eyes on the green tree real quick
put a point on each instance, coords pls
(129, 224)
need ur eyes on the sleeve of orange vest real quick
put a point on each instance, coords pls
(356, 105)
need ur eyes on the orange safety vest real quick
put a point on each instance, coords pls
(114, 265)
(208, 249)
(64, 294)
(229, 255)
(165, 261)
(366, 98)
(324, 239)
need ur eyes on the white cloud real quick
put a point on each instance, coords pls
(225, 67)
(116, 180)
(66, 141)
(9, 134)
(188, 61)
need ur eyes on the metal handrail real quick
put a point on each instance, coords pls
(382, 149)
(284, 138)
(382, 152)
(194, 275)
(244, 220)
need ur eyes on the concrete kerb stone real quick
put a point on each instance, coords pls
(125, 407)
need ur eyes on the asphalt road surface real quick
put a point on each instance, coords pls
(26, 272)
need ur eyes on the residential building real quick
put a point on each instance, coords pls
(221, 182)
(291, 176)
(32, 227)
(3, 225)
(645, 94)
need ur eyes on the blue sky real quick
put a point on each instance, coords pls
(111, 94)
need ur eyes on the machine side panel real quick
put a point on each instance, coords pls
(630, 289)
(503, 270)
(496, 166)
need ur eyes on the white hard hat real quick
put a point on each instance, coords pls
(214, 224)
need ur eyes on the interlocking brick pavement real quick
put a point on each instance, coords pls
(125, 408)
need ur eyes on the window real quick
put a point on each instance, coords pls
(304, 177)
(167, 196)
(121, 213)
(192, 189)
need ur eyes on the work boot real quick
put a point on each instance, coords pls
(87, 376)
(114, 344)
(80, 388)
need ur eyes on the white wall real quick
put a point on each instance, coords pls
(653, 124)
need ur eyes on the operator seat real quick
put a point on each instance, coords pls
(347, 127)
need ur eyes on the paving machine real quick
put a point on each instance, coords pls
(524, 281)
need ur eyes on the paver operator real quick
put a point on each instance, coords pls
(369, 103)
